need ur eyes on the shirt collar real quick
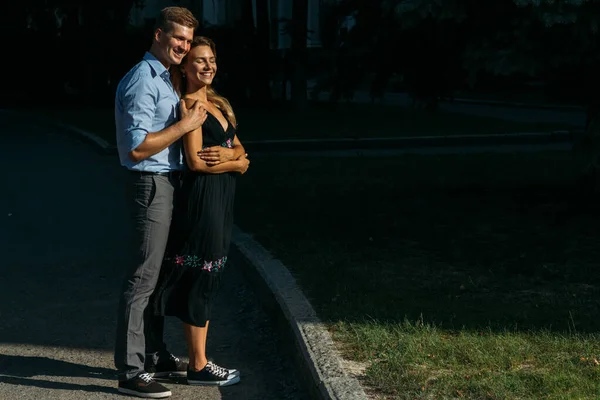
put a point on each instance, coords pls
(156, 65)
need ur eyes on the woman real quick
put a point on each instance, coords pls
(202, 229)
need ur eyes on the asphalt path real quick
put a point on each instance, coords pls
(64, 236)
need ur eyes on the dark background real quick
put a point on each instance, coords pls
(511, 48)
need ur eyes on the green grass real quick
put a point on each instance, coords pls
(455, 276)
(326, 121)
(412, 361)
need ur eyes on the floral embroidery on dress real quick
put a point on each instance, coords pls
(228, 143)
(197, 262)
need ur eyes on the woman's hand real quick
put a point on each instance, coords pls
(216, 155)
(244, 163)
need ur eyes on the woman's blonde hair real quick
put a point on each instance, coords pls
(180, 84)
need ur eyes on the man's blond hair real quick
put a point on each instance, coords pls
(175, 15)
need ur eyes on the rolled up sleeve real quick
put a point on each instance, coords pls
(137, 108)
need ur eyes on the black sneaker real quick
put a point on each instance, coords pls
(144, 386)
(171, 367)
(213, 375)
(231, 371)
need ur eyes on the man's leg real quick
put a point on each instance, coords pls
(156, 349)
(151, 198)
(159, 362)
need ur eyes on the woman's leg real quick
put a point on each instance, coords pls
(196, 341)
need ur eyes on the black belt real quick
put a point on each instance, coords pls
(170, 174)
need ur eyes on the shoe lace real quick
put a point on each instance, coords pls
(146, 377)
(175, 358)
(216, 370)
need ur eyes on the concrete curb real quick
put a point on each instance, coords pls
(95, 140)
(322, 366)
(411, 142)
(98, 141)
(511, 104)
(404, 99)
(552, 134)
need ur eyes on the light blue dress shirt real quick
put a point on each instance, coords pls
(146, 102)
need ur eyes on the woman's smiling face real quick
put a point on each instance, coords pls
(200, 66)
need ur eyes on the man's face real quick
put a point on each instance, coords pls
(174, 44)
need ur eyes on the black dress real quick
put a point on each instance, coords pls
(200, 237)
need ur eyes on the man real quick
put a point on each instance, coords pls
(148, 132)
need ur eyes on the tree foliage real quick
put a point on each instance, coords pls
(445, 44)
(73, 45)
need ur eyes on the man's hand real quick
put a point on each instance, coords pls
(193, 117)
(216, 155)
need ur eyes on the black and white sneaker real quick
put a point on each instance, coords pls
(212, 375)
(171, 367)
(231, 371)
(144, 386)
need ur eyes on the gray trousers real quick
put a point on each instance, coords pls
(139, 331)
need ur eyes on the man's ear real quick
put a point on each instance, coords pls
(158, 34)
